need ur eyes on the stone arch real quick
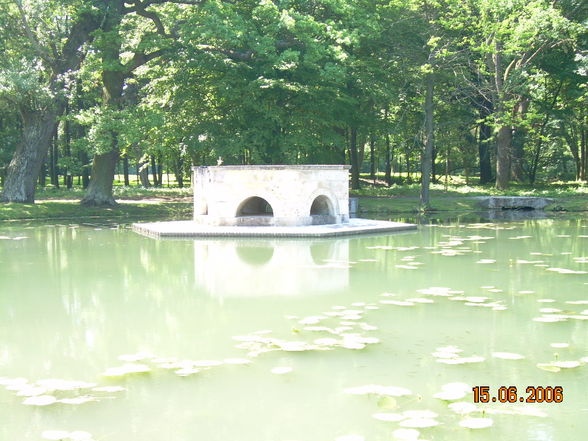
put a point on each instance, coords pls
(254, 206)
(323, 210)
(322, 206)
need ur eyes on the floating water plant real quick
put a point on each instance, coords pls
(463, 407)
(130, 368)
(419, 422)
(507, 355)
(77, 400)
(64, 385)
(476, 423)
(385, 416)
(566, 271)
(109, 389)
(453, 391)
(406, 434)
(566, 364)
(238, 361)
(376, 389)
(280, 370)
(41, 400)
(351, 437)
(57, 435)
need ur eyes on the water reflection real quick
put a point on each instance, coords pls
(515, 215)
(271, 267)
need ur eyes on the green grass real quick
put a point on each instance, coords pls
(138, 203)
(73, 210)
(120, 193)
(458, 197)
(411, 205)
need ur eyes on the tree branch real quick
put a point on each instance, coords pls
(146, 3)
(141, 58)
(41, 51)
(80, 33)
(237, 56)
(151, 15)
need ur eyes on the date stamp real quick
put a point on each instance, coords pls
(510, 394)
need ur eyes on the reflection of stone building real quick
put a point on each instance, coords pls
(281, 195)
(271, 267)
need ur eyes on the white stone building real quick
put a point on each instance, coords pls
(271, 195)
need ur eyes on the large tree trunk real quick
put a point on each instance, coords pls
(179, 170)
(143, 167)
(518, 142)
(427, 157)
(24, 169)
(126, 170)
(388, 161)
(99, 191)
(388, 171)
(38, 125)
(504, 136)
(485, 109)
(354, 156)
(154, 172)
(113, 76)
(503, 145)
(373, 158)
(484, 136)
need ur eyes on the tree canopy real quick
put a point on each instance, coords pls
(491, 88)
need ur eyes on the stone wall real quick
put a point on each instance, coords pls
(280, 195)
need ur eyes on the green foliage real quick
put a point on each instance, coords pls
(285, 81)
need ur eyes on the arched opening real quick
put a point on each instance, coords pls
(321, 206)
(322, 211)
(255, 206)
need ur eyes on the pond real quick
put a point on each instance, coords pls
(108, 335)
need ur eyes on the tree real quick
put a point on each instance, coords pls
(36, 79)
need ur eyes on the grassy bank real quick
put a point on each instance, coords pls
(137, 203)
(571, 197)
(135, 210)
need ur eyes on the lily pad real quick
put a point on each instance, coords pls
(377, 389)
(280, 370)
(566, 364)
(463, 407)
(384, 416)
(109, 389)
(406, 434)
(130, 368)
(419, 422)
(548, 367)
(77, 400)
(351, 437)
(80, 435)
(507, 355)
(476, 423)
(55, 435)
(237, 361)
(41, 400)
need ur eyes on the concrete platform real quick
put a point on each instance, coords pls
(190, 229)
(514, 202)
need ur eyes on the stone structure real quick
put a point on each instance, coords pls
(271, 195)
(514, 202)
(270, 201)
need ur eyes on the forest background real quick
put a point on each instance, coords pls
(100, 93)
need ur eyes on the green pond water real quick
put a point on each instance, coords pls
(293, 340)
